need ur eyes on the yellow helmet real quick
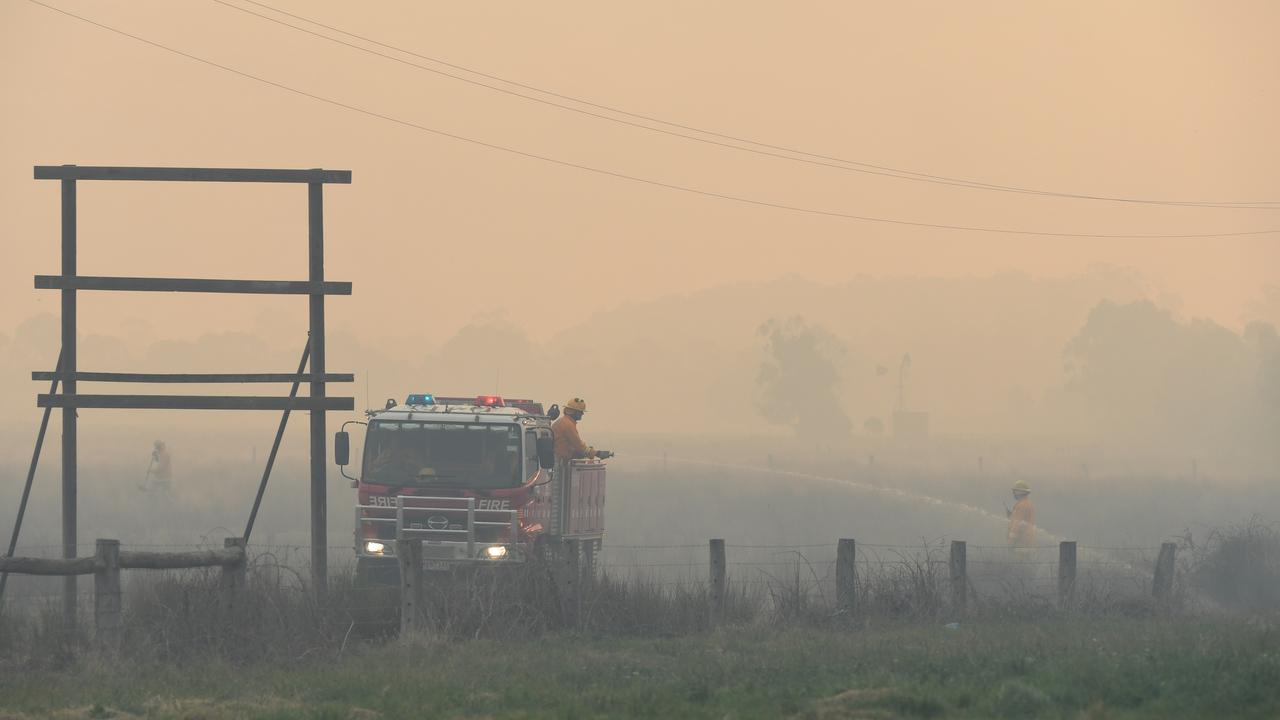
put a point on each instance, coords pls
(576, 404)
(1021, 486)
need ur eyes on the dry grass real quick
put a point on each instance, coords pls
(179, 617)
(1056, 667)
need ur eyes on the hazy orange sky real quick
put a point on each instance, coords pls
(1145, 99)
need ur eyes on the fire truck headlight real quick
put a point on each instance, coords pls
(374, 548)
(495, 552)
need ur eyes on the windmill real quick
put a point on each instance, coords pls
(908, 425)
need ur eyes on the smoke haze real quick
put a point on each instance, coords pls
(1072, 361)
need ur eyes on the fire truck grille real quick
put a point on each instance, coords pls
(436, 552)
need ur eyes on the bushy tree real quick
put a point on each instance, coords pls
(799, 380)
(1143, 374)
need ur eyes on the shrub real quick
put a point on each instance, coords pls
(1239, 567)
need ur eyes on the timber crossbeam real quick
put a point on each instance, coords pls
(195, 402)
(191, 285)
(198, 378)
(48, 566)
(138, 560)
(172, 174)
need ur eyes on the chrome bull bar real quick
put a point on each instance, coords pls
(406, 508)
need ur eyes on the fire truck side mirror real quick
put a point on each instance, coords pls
(342, 447)
(546, 450)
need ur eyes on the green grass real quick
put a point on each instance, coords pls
(1068, 668)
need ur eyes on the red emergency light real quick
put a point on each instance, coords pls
(490, 401)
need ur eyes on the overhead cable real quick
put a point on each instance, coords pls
(636, 178)
(770, 150)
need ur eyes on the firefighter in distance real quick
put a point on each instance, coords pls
(1022, 518)
(160, 471)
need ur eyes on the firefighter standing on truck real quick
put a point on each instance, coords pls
(569, 444)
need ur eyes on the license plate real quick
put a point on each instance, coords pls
(437, 565)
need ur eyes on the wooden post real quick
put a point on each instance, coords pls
(846, 574)
(716, 595)
(319, 463)
(31, 476)
(1066, 573)
(589, 550)
(1162, 584)
(69, 444)
(959, 576)
(106, 594)
(410, 554)
(572, 585)
(232, 582)
(565, 572)
(275, 444)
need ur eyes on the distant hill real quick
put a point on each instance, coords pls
(985, 350)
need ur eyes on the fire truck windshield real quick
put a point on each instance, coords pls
(470, 455)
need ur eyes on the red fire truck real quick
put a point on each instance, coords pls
(474, 478)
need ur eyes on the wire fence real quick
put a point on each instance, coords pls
(638, 590)
(772, 571)
(991, 571)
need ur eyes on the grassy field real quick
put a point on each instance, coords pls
(1116, 668)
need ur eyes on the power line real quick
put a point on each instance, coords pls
(570, 108)
(624, 176)
(811, 158)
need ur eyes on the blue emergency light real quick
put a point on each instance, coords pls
(420, 399)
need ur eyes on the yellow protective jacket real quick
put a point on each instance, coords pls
(569, 443)
(1022, 524)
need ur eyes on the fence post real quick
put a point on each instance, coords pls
(1066, 573)
(554, 549)
(565, 572)
(846, 574)
(572, 582)
(589, 549)
(106, 594)
(232, 582)
(1162, 584)
(959, 576)
(716, 596)
(409, 552)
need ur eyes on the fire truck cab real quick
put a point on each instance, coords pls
(474, 478)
